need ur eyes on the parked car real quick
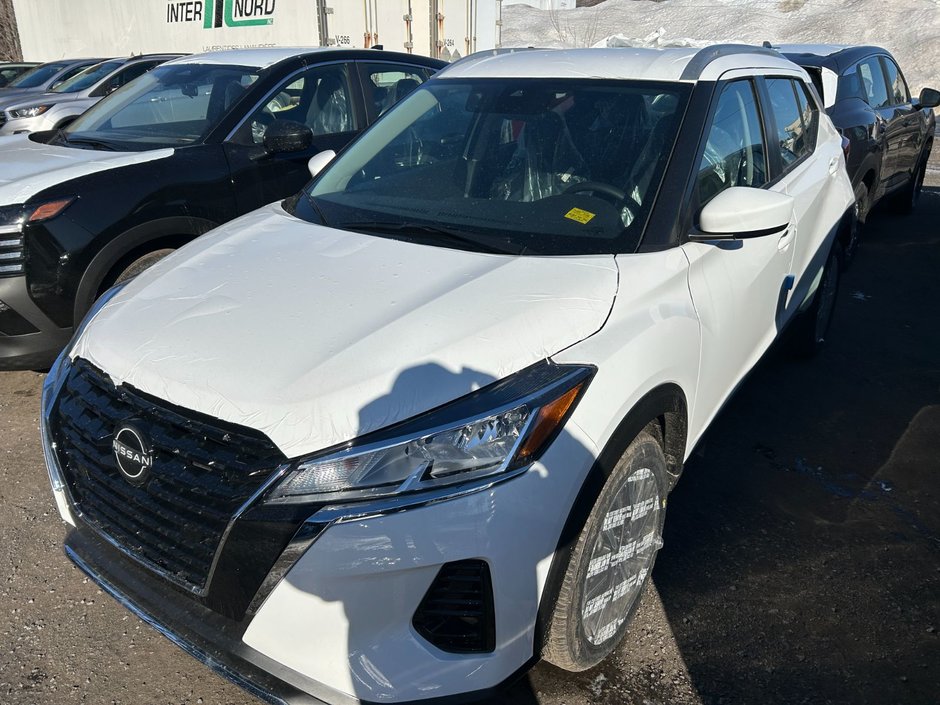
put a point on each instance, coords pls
(192, 144)
(890, 133)
(42, 79)
(9, 71)
(69, 99)
(398, 436)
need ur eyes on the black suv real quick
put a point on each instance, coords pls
(889, 133)
(180, 150)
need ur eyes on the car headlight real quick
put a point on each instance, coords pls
(498, 429)
(30, 111)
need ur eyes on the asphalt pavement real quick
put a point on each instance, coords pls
(802, 545)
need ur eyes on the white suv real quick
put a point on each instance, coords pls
(404, 433)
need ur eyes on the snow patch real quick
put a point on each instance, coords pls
(909, 29)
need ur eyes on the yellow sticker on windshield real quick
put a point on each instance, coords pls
(580, 215)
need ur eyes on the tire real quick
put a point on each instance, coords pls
(861, 214)
(140, 264)
(808, 332)
(588, 621)
(907, 199)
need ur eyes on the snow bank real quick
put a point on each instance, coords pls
(909, 29)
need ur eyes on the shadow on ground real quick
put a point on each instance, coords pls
(802, 546)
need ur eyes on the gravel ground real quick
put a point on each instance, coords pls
(801, 547)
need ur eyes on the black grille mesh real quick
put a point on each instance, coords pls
(202, 473)
(456, 614)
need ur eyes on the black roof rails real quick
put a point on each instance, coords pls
(704, 57)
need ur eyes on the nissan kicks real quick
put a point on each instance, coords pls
(402, 434)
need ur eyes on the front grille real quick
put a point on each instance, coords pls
(12, 253)
(203, 471)
(456, 614)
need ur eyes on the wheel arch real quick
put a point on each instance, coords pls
(664, 412)
(133, 243)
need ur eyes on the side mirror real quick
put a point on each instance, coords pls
(929, 98)
(741, 212)
(287, 136)
(319, 161)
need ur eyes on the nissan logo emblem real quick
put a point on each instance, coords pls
(133, 454)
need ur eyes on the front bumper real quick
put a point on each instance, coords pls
(334, 622)
(32, 350)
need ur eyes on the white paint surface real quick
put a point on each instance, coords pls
(315, 336)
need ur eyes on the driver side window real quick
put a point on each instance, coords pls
(734, 152)
(318, 98)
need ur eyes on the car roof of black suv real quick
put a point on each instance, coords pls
(831, 56)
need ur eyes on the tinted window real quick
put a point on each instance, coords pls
(809, 111)
(386, 84)
(37, 76)
(734, 150)
(319, 98)
(899, 94)
(873, 83)
(793, 139)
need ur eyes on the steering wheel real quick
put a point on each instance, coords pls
(599, 188)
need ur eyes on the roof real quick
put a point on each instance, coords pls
(832, 56)
(680, 64)
(261, 57)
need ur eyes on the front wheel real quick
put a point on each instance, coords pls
(612, 561)
(140, 264)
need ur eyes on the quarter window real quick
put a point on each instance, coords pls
(734, 151)
(796, 117)
(899, 93)
(873, 85)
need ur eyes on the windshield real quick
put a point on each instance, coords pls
(37, 76)
(534, 166)
(88, 77)
(171, 106)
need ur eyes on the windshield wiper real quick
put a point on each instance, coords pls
(436, 232)
(89, 141)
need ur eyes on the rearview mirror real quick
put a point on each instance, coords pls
(287, 136)
(319, 161)
(741, 212)
(929, 98)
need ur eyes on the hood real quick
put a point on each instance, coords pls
(315, 336)
(28, 167)
(13, 96)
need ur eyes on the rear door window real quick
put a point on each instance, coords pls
(796, 117)
(899, 94)
(384, 84)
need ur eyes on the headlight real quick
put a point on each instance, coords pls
(503, 427)
(29, 112)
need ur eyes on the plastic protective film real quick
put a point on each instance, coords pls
(315, 336)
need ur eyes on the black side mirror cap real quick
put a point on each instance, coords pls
(929, 98)
(287, 136)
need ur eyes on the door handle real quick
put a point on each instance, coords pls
(834, 165)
